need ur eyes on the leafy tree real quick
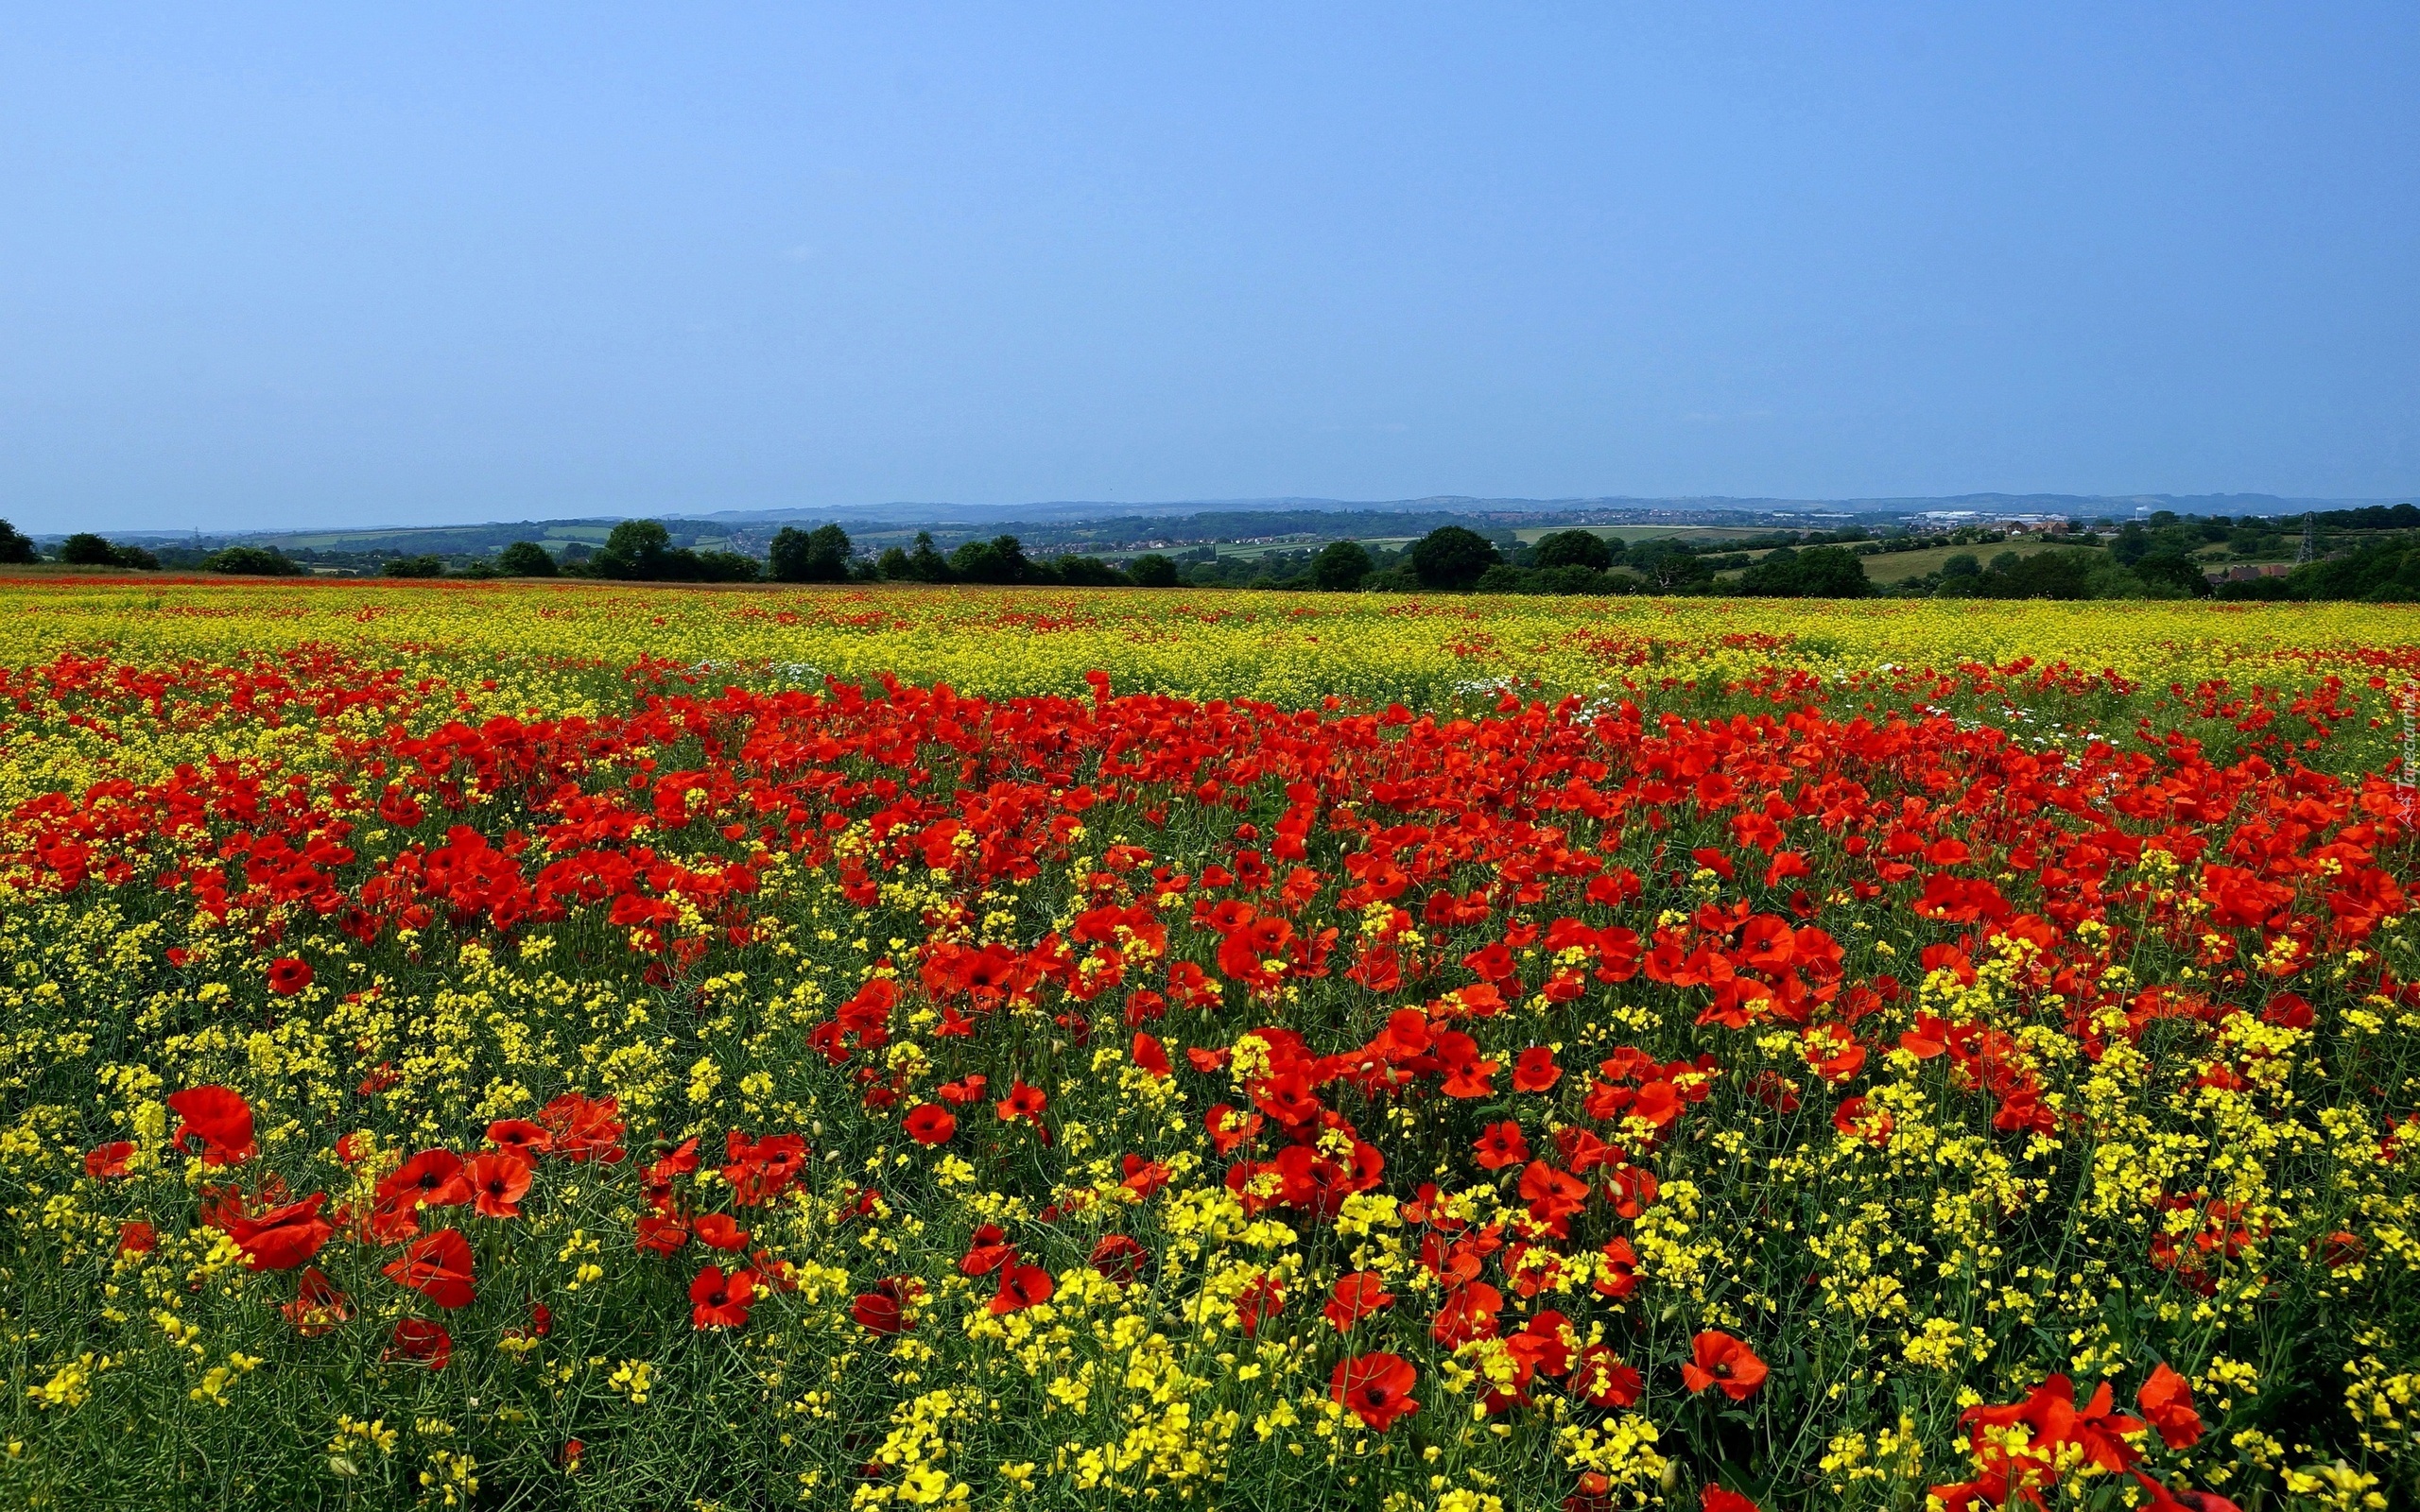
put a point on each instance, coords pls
(1669, 566)
(17, 549)
(637, 549)
(422, 566)
(524, 559)
(258, 561)
(1151, 570)
(1572, 548)
(817, 555)
(85, 549)
(2173, 569)
(1819, 572)
(2066, 573)
(1340, 566)
(926, 564)
(1083, 572)
(1451, 557)
(1963, 564)
(1001, 560)
(1577, 580)
(720, 566)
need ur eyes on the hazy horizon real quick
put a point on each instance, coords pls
(278, 266)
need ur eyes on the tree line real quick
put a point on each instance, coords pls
(2372, 554)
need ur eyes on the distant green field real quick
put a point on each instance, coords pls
(1900, 566)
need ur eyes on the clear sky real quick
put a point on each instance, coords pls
(282, 266)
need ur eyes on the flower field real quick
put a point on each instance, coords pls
(565, 1045)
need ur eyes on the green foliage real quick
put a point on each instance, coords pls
(524, 559)
(998, 560)
(85, 549)
(1819, 572)
(257, 561)
(1340, 566)
(1451, 557)
(415, 567)
(817, 555)
(1572, 548)
(1151, 570)
(726, 567)
(17, 549)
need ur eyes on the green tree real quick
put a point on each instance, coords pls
(637, 549)
(422, 566)
(926, 564)
(1451, 557)
(817, 555)
(1670, 566)
(1000, 559)
(1572, 548)
(524, 559)
(1151, 570)
(1819, 572)
(257, 561)
(1340, 566)
(15, 548)
(2175, 570)
(85, 549)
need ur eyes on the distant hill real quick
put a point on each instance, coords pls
(1110, 527)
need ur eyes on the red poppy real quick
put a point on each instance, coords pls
(1120, 1258)
(1535, 1071)
(987, 1251)
(420, 1339)
(282, 1238)
(1021, 1286)
(1860, 1119)
(498, 1180)
(884, 1310)
(520, 1136)
(720, 1231)
(761, 1170)
(433, 1178)
(107, 1163)
(584, 1128)
(1720, 1360)
(660, 1234)
(1229, 1128)
(929, 1123)
(1601, 1378)
(136, 1237)
(287, 975)
(1502, 1144)
(541, 1322)
(1722, 1499)
(1376, 1388)
(218, 1117)
(318, 1306)
(2167, 1402)
(1263, 1297)
(721, 1301)
(1149, 1053)
(438, 1268)
(1022, 1102)
(964, 1091)
(1355, 1298)
(1144, 1179)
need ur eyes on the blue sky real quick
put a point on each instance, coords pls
(270, 266)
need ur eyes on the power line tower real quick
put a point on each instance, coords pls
(2309, 551)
